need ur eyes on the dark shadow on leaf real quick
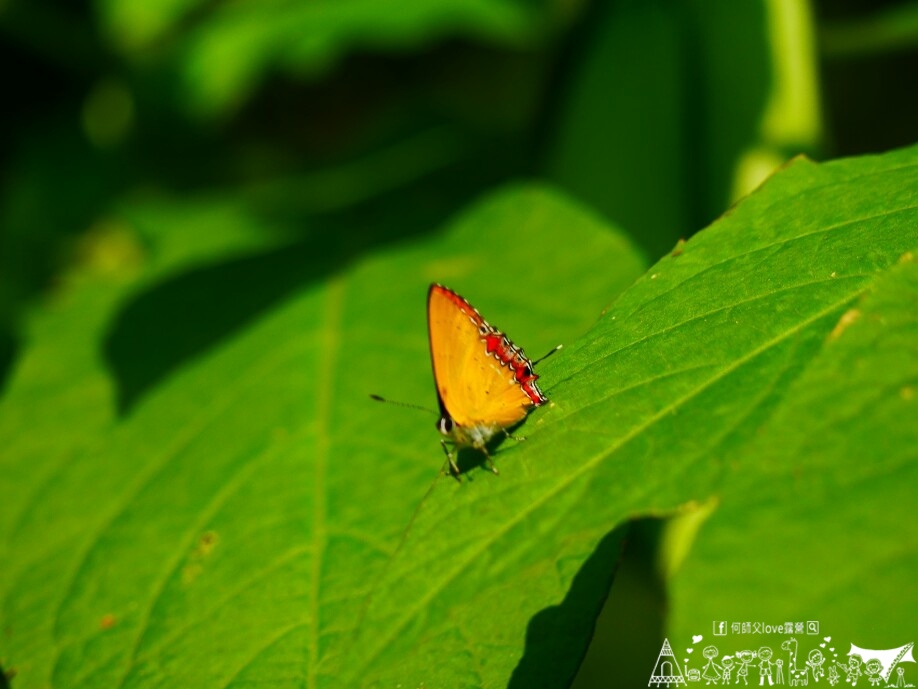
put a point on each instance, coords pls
(628, 633)
(470, 461)
(183, 317)
(557, 637)
(468, 458)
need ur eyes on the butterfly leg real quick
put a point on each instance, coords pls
(490, 461)
(454, 468)
(517, 438)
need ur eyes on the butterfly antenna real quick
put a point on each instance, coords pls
(404, 404)
(545, 356)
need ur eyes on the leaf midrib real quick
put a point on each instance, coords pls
(330, 344)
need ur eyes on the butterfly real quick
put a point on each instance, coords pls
(485, 383)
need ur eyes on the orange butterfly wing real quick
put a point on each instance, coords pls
(476, 386)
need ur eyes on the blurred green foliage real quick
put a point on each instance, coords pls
(659, 114)
(173, 170)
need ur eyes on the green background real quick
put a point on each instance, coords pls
(218, 222)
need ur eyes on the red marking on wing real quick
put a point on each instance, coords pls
(502, 348)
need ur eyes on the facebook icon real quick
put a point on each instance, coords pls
(720, 628)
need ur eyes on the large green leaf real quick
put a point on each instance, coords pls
(823, 494)
(230, 524)
(61, 401)
(690, 362)
(61, 395)
(255, 518)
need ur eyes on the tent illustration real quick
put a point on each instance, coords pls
(667, 670)
(889, 657)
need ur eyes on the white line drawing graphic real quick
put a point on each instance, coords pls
(793, 672)
(815, 662)
(742, 672)
(765, 666)
(712, 671)
(667, 670)
(726, 664)
(872, 669)
(889, 658)
(852, 669)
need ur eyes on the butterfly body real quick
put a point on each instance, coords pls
(484, 382)
(477, 435)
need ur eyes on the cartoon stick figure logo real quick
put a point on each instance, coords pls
(712, 671)
(815, 661)
(744, 658)
(765, 666)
